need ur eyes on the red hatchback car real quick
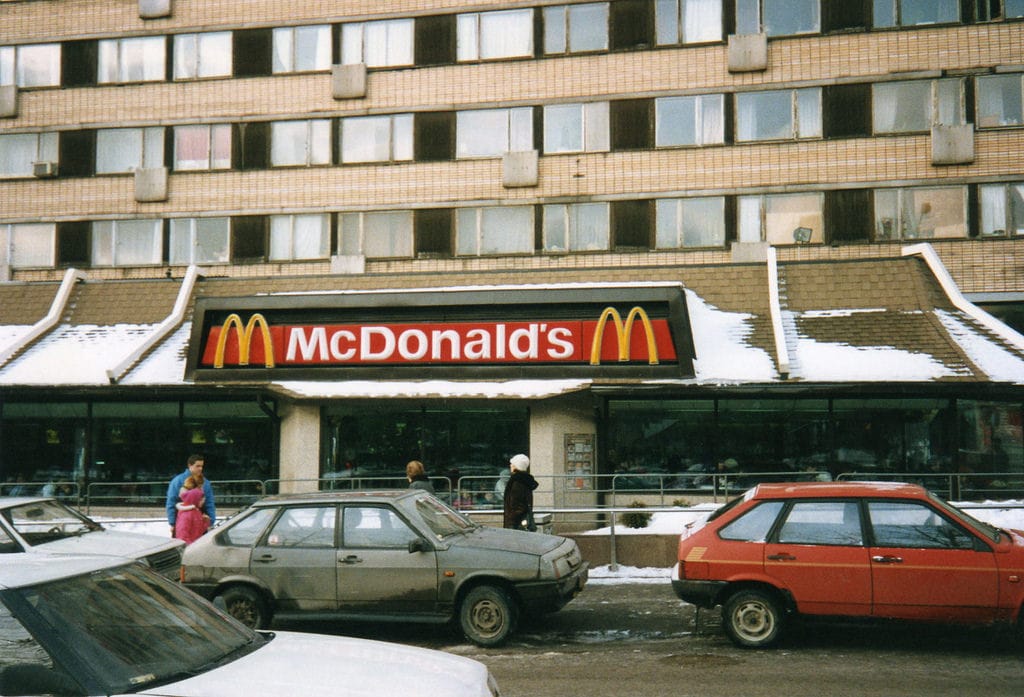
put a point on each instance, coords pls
(853, 549)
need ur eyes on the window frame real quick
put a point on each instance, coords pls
(592, 119)
(679, 221)
(312, 135)
(800, 112)
(400, 143)
(115, 229)
(935, 106)
(121, 52)
(560, 23)
(147, 152)
(474, 29)
(901, 210)
(214, 132)
(701, 105)
(981, 118)
(47, 149)
(1007, 210)
(671, 18)
(33, 231)
(485, 236)
(764, 213)
(572, 215)
(13, 70)
(293, 252)
(194, 232)
(514, 135)
(361, 38)
(189, 50)
(288, 49)
(754, 16)
(347, 238)
(893, 19)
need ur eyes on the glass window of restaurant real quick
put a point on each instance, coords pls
(677, 443)
(462, 442)
(127, 443)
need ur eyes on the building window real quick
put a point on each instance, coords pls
(492, 132)
(1000, 101)
(200, 240)
(920, 213)
(378, 44)
(778, 17)
(297, 237)
(127, 149)
(999, 9)
(202, 147)
(781, 218)
(690, 222)
(917, 105)
(494, 230)
(202, 55)
(32, 245)
(1002, 209)
(19, 150)
(576, 227)
(34, 65)
(911, 13)
(377, 234)
(688, 21)
(300, 143)
(698, 120)
(126, 242)
(138, 59)
(491, 35)
(377, 139)
(576, 128)
(302, 49)
(778, 114)
(576, 28)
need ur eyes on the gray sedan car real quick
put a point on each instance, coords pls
(389, 555)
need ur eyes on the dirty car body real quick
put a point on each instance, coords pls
(46, 525)
(865, 550)
(389, 555)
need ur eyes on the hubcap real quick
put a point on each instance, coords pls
(753, 620)
(487, 617)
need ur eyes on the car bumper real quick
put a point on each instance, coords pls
(699, 593)
(548, 596)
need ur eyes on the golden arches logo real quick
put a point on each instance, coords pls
(244, 336)
(623, 333)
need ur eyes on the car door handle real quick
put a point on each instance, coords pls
(265, 558)
(887, 560)
(351, 559)
(783, 556)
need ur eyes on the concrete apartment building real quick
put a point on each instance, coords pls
(316, 239)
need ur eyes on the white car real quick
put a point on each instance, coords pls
(46, 525)
(101, 626)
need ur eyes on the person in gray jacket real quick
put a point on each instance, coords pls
(417, 476)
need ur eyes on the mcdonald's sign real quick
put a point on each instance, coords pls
(498, 334)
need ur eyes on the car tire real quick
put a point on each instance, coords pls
(487, 615)
(247, 606)
(753, 618)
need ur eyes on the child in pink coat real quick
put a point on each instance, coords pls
(191, 522)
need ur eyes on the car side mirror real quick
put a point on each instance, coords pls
(418, 545)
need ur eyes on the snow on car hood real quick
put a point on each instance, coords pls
(107, 542)
(312, 665)
(507, 540)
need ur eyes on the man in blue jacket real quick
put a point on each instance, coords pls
(194, 470)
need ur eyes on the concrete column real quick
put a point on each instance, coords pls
(550, 421)
(300, 447)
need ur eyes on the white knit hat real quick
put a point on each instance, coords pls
(520, 462)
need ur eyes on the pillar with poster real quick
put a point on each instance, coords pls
(579, 460)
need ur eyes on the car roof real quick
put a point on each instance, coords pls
(7, 501)
(362, 496)
(781, 490)
(26, 569)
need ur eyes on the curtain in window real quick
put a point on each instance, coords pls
(387, 234)
(17, 153)
(506, 230)
(506, 34)
(702, 21)
(37, 66)
(901, 107)
(32, 244)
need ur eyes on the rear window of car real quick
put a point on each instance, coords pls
(822, 523)
(753, 525)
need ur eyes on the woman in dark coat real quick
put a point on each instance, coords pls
(519, 494)
(417, 476)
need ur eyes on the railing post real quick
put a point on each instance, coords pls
(613, 561)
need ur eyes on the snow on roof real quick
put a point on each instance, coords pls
(720, 342)
(998, 363)
(74, 355)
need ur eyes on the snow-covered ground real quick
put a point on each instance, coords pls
(1003, 514)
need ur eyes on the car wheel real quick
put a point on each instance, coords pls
(752, 619)
(247, 606)
(487, 615)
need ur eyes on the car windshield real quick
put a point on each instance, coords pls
(130, 627)
(45, 521)
(441, 520)
(987, 529)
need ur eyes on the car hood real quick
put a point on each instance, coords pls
(507, 540)
(309, 665)
(107, 542)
